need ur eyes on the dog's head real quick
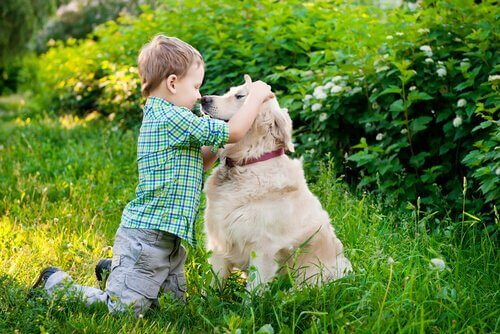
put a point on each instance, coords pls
(271, 121)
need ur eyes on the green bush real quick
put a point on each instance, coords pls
(404, 101)
(79, 17)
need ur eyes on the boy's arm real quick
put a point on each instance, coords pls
(241, 122)
(209, 157)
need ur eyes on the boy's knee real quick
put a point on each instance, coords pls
(131, 290)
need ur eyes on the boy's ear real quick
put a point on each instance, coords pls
(171, 82)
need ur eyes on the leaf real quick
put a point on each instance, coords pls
(418, 160)
(397, 107)
(362, 143)
(463, 85)
(419, 96)
(446, 147)
(420, 123)
(482, 125)
(363, 158)
(472, 216)
(389, 90)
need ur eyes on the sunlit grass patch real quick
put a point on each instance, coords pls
(62, 190)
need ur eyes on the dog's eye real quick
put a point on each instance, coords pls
(238, 97)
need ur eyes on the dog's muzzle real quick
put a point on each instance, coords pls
(206, 102)
(208, 108)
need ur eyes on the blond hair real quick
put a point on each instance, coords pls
(164, 56)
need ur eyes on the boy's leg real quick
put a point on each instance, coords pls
(61, 279)
(176, 280)
(141, 262)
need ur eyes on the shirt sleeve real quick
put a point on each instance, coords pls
(187, 127)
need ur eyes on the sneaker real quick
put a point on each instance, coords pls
(102, 270)
(44, 276)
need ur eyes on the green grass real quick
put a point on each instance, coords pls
(64, 182)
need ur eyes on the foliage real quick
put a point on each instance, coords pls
(64, 181)
(19, 20)
(79, 17)
(391, 95)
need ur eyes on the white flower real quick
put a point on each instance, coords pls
(316, 107)
(322, 117)
(390, 260)
(404, 131)
(319, 93)
(308, 97)
(329, 85)
(336, 89)
(78, 97)
(389, 37)
(497, 172)
(429, 60)
(380, 136)
(399, 33)
(427, 49)
(308, 73)
(457, 121)
(437, 264)
(412, 88)
(422, 30)
(336, 78)
(55, 220)
(461, 103)
(441, 72)
(494, 77)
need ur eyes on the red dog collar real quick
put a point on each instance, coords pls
(266, 156)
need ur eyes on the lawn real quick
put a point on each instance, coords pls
(63, 184)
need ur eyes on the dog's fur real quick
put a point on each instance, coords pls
(263, 215)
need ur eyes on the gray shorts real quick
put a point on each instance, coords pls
(144, 262)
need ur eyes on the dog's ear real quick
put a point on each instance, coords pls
(247, 78)
(281, 128)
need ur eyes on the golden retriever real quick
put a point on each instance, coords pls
(260, 214)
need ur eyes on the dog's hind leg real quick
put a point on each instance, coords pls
(261, 270)
(221, 268)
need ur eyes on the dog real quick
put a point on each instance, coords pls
(260, 214)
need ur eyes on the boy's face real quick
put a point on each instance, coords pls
(188, 87)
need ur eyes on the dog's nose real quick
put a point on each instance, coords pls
(205, 100)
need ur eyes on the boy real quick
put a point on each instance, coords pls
(173, 149)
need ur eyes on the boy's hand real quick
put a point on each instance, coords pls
(259, 91)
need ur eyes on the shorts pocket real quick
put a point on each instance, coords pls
(142, 285)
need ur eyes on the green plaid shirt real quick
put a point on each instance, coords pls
(171, 168)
